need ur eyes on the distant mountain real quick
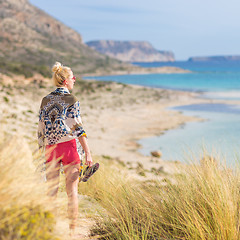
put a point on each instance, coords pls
(131, 51)
(215, 58)
(31, 40)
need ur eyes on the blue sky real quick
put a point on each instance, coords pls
(186, 27)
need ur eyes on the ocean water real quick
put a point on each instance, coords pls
(219, 133)
(217, 136)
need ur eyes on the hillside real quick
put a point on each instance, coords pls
(30, 37)
(131, 51)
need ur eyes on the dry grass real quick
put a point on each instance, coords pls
(24, 213)
(203, 203)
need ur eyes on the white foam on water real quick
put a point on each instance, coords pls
(222, 95)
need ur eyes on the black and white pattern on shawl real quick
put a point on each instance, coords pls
(59, 118)
(53, 116)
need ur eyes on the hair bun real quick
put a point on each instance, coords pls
(57, 67)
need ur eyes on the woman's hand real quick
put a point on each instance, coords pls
(86, 149)
(88, 158)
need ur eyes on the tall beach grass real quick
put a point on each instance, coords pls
(25, 211)
(201, 203)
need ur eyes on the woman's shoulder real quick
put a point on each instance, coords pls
(44, 101)
(67, 98)
(70, 98)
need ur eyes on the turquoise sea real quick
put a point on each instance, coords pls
(219, 134)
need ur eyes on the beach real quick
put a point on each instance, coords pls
(115, 116)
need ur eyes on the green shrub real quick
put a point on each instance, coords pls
(6, 99)
(26, 223)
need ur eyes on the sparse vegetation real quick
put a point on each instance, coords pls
(158, 171)
(26, 69)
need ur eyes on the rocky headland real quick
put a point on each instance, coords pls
(32, 40)
(131, 51)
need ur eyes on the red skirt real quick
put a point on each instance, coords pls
(65, 152)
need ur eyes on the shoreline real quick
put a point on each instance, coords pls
(125, 147)
(140, 70)
(130, 146)
(115, 116)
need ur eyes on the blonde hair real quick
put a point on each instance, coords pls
(60, 73)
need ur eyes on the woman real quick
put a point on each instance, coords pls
(60, 130)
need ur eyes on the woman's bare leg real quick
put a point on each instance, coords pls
(52, 174)
(72, 179)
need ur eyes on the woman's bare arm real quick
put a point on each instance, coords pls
(83, 141)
